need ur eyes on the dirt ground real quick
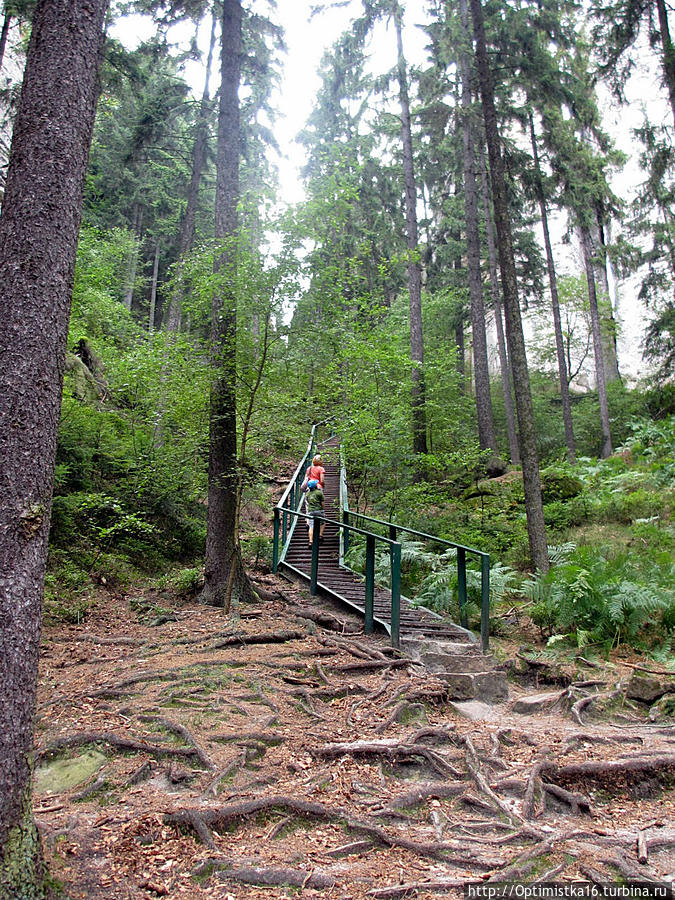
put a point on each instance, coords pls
(268, 754)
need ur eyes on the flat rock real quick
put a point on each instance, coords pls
(534, 703)
(475, 710)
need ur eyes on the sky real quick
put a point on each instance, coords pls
(307, 38)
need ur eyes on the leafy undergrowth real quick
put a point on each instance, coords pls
(277, 752)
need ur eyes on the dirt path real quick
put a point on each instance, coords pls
(271, 755)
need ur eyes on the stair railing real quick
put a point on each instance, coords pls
(290, 502)
(371, 539)
(394, 530)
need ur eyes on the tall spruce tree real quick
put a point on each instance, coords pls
(224, 574)
(536, 528)
(38, 240)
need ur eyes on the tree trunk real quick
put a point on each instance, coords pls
(608, 326)
(499, 324)
(38, 240)
(225, 577)
(459, 348)
(486, 427)
(6, 22)
(514, 328)
(596, 330)
(133, 258)
(555, 304)
(668, 53)
(414, 271)
(187, 232)
(153, 290)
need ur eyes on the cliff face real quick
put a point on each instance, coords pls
(11, 74)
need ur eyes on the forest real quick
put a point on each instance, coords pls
(474, 296)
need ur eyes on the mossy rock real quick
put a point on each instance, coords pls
(557, 484)
(65, 773)
(663, 709)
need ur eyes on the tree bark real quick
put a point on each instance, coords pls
(38, 240)
(607, 322)
(414, 271)
(536, 528)
(596, 330)
(486, 427)
(224, 574)
(668, 53)
(499, 323)
(6, 22)
(555, 304)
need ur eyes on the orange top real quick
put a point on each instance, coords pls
(318, 473)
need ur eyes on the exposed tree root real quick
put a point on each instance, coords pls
(203, 820)
(577, 801)
(605, 769)
(373, 665)
(442, 886)
(181, 731)
(392, 750)
(325, 620)
(473, 766)
(399, 712)
(269, 876)
(425, 791)
(268, 637)
(119, 743)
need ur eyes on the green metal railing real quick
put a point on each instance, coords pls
(394, 530)
(291, 501)
(371, 539)
(288, 511)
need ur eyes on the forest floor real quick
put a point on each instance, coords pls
(189, 754)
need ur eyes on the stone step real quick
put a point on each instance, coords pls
(488, 687)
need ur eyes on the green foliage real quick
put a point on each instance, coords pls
(596, 598)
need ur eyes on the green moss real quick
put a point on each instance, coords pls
(22, 868)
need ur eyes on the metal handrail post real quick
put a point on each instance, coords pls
(461, 587)
(396, 595)
(314, 571)
(284, 525)
(275, 541)
(345, 520)
(370, 584)
(485, 602)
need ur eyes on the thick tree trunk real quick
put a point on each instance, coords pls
(187, 231)
(414, 271)
(38, 240)
(668, 53)
(555, 304)
(225, 577)
(596, 329)
(486, 427)
(514, 328)
(499, 323)
(6, 22)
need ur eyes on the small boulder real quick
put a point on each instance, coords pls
(645, 688)
(534, 703)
